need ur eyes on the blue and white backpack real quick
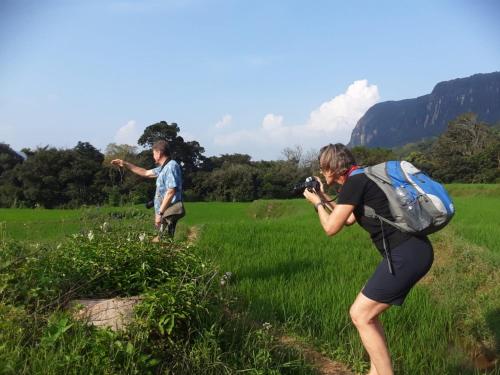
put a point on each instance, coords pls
(418, 204)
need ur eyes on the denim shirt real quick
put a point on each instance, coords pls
(167, 178)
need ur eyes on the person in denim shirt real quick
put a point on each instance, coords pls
(168, 183)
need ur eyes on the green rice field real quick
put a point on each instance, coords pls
(288, 273)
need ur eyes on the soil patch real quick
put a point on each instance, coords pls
(193, 235)
(324, 365)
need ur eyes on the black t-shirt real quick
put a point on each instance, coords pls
(360, 191)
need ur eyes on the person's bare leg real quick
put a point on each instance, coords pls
(373, 370)
(364, 314)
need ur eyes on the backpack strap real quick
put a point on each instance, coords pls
(356, 171)
(370, 212)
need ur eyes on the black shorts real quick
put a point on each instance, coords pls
(411, 260)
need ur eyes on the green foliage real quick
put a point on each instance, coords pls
(236, 178)
(43, 177)
(469, 151)
(8, 158)
(372, 156)
(473, 190)
(278, 178)
(270, 209)
(50, 177)
(290, 274)
(179, 325)
(230, 183)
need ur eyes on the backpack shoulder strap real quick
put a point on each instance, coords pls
(357, 171)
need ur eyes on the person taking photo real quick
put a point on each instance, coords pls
(406, 258)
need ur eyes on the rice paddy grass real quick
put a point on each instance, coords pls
(287, 272)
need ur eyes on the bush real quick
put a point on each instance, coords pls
(179, 327)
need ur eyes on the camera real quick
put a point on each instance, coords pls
(310, 184)
(150, 204)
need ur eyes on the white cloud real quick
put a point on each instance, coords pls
(128, 134)
(333, 121)
(339, 115)
(224, 122)
(272, 123)
(270, 130)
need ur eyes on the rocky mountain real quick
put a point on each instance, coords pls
(395, 123)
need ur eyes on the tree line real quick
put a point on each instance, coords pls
(469, 152)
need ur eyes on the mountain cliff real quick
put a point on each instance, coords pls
(395, 123)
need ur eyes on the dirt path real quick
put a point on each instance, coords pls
(324, 365)
(193, 234)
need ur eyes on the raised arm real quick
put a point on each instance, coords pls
(330, 204)
(149, 173)
(332, 222)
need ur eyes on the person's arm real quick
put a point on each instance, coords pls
(332, 222)
(149, 173)
(330, 204)
(169, 195)
(167, 199)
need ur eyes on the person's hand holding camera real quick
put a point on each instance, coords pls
(314, 195)
(321, 189)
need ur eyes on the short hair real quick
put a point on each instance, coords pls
(336, 158)
(162, 147)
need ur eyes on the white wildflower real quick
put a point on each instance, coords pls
(267, 326)
(142, 236)
(104, 226)
(225, 278)
(90, 235)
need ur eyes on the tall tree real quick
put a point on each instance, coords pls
(42, 177)
(293, 154)
(10, 186)
(467, 149)
(214, 162)
(465, 136)
(8, 158)
(372, 156)
(83, 177)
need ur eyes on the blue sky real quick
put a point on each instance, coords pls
(238, 76)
